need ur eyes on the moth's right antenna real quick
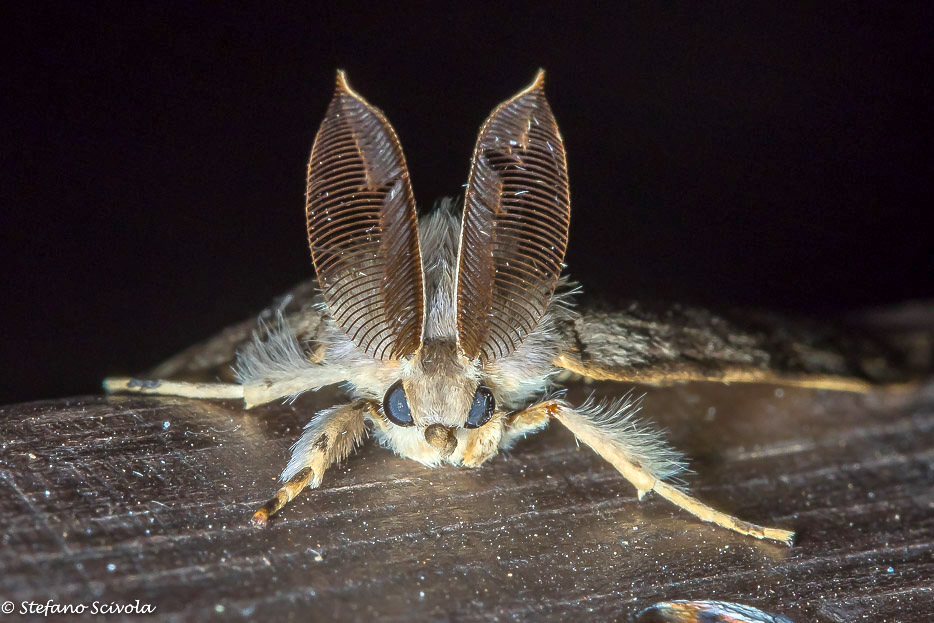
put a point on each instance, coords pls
(515, 231)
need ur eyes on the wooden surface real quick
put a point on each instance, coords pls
(126, 498)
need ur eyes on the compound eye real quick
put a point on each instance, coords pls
(481, 410)
(396, 407)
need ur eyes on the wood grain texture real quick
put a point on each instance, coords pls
(126, 498)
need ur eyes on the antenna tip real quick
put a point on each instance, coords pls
(342, 80)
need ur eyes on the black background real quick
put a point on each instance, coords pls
(153, 157)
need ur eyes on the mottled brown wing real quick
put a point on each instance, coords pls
(213, 359)
(659, 345)
(515, 229)
(361, 227)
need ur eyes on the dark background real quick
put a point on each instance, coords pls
(153, 157)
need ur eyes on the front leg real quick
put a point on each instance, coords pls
(328, 439)
(641, 456)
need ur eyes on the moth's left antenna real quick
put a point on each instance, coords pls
(362, 228)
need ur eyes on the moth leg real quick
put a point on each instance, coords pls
(527, 422)
(684, 374)
(310, 378)
(328, 438)
(215, 391)
(277, 364)
(644, 459)
(484, 443)
(705, 513)
(252, 393)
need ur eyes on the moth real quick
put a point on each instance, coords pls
(449, 332)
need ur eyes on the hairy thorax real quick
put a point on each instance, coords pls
(440, 383)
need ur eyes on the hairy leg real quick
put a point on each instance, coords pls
(527, 422)
(328, 439)
(641, 457)
(483, 443)
(206, 391)
(252, 393)
(273, 364)
(307, 379)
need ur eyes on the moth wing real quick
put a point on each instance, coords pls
(515, 227)
(214, 359)
(665, 345)
(362, 230)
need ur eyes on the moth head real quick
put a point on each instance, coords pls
(439, 393)
(363, 235)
